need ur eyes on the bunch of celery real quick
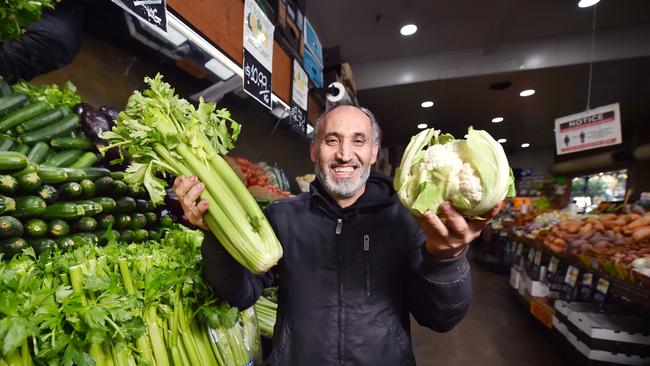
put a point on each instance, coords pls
(266, 309)
(161, 132)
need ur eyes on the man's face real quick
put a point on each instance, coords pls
(343, 151)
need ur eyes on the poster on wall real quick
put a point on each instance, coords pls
(153, 12)
(299, 92)
(258, 53)
(588, 130)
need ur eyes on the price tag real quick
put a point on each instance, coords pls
(552, 265)
(258, 53)
(299, 93)
(531, 254)
(257, 80)
(538, 257)
(520, 248)
(571, 276)
(603, 286)
(587, 279)
(153, 12)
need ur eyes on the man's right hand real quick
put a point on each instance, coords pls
(188, 190)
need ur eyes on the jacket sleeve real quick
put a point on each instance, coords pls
(229, 279)
(439, 291)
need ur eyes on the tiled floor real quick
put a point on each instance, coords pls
(496, 331)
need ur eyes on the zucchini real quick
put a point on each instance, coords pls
(123, 222)
(29, 168)
(65, 243)
(90, 208)
(74, 174)
(154, 234)
(13, 246)
(87, 188)
(127, 236)
(52, 175)
(63, 210)
(11, 103)
(141, 235)
(36, 228)
(118, 175)
(38, 152)
(152, 218)
(138, 221)
(61, 127)
(141, 205)
(104, 185)
(104, 221)
(58, 228)
(94, 173)
(85, 225)
(136, 191)
(14, 118)
(63, 158)
(108, 204)
(8, 184)
(10, 227)
(6, 142)
(12, 161)
(27, 206)
(70, 190)
(125, 204)
(42, 120)
(48, 193)
(7, 205)
(103, 236)
(64, 143)
(119, 188)
(29, 183)
(5, 88)
(23, 149)
(42, 245)
(86, 160)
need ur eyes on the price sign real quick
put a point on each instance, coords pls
(531, 255)
(258, 53)
(587, 279)
(585, 290)
(603, 286)
(257, 80)
(538, 258)
(571, 276)
(153, 12)
(299, 92)
(553, 264)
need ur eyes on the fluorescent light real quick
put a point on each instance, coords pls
(525, 145)
(219, 69)
(427, 104)
(422, 126)
(497, 119)
(409, 29)
(587, 3)
(527, 93)
(502, 141)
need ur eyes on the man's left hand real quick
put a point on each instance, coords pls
(448, 239)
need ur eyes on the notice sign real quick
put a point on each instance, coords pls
(258, 53)
(153, 12)
(299, 91)
(588, 130)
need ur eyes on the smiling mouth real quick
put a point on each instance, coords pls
(344, 171)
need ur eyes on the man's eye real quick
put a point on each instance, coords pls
(331, 141)
(359, 141)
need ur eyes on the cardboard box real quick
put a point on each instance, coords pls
(313, 69)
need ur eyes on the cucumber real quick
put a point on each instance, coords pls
(6, 142)
(88, 159)
(104, 221)
(125, 204)
(42, 245)
(152, 218)
(85, 224)
(7, 205)
(48, 193)
(80, 143)
(8, 184)
(118, 175)
(108, 204)
(27, 206)
(70, 190)
(94, 173)
(38, 152)
(141, 205)
(90, 208)
(61, 127)
(64, 158)
(52, 175)
(10, 227)
(127, 236)
(14, 118)
(36, 228)
(13, 246)
(42, 120)
(138, 221)
(75, 174)
(87, 188)
(63, 210)
(21, 148)
(11, 103)
(119, 188)
(58, 228)
(29, 183)
(141, 235)
(65, 243)
(104, 185)
(12, 161)
(123, 222)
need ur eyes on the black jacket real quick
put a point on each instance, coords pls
(348, 280)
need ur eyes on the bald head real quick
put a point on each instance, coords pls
(344, 111)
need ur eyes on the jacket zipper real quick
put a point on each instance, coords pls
(339, 229)
(366, 250)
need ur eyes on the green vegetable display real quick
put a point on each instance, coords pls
(53, 95)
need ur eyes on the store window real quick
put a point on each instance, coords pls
(588, 191)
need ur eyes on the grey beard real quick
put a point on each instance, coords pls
(345, 188)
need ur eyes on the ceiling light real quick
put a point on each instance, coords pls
(587, 3)
(422, 126)
(502, 141)
(527, 93)
(525, 145)
(497, 119)
(409, 29)
(427, 104)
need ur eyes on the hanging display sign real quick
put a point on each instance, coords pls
(588, 130)
(153, 12)
(258, 53)
(299, 92)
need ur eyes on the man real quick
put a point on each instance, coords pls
(355, 263)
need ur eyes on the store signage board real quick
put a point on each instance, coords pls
(588, 130)
(258, 53)
(299, 92)
(153, 12)
(601, 292)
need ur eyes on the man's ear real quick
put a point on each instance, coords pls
(312, 151)
(375, 151)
